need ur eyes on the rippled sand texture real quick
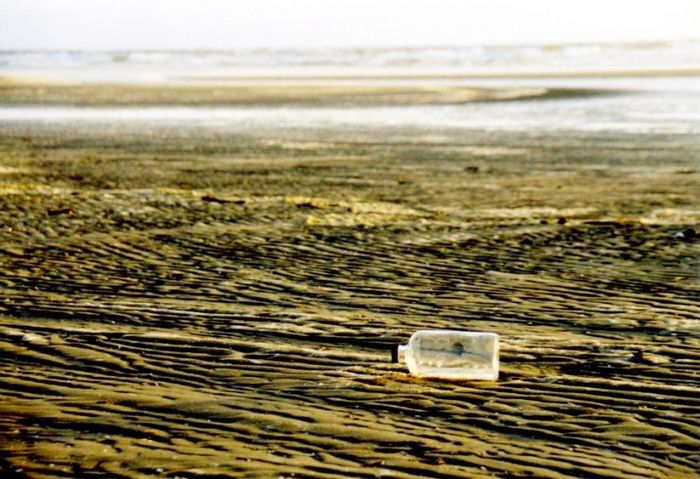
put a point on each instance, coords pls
(210, 305)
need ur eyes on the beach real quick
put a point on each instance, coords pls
(210, 293)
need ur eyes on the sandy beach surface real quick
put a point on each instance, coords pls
(189, 302)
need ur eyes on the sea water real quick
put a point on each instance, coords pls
(169, 64)
(651, 87)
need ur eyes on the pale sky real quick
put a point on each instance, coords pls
(220, 24)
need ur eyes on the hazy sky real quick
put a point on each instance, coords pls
(113, 24)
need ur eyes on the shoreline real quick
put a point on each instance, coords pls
(146, 75)
(483, 75)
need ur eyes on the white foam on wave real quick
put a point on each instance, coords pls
(141, 65)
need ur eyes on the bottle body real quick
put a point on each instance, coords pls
(447, 354)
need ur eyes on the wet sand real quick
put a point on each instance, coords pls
(205, 304)
(260, 92)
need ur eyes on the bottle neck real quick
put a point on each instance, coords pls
(398, 353)
(401, 353)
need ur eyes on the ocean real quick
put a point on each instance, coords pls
(651, 87)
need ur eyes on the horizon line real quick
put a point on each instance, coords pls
(629, 42)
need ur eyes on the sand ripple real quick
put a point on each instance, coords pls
(160, 320)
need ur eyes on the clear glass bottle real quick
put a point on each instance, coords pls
(448, 354)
